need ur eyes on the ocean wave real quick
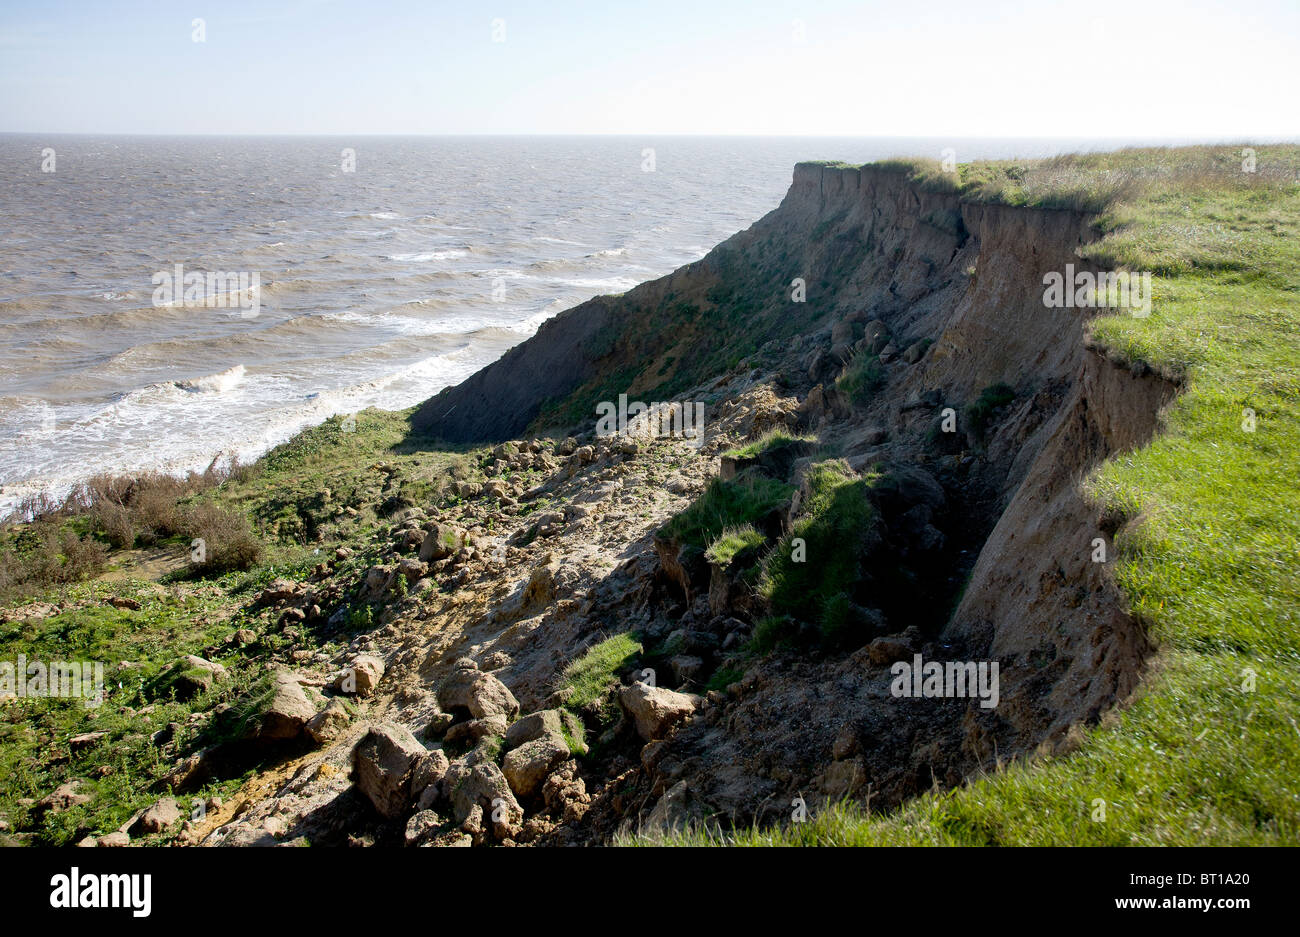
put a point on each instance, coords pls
(217, 383)
(430, 255)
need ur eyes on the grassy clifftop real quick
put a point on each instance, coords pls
(1210, 752)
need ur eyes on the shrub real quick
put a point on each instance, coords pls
(992, 397)
(229, 542)
(862, 377)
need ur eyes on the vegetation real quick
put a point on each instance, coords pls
(732, 542)
(777, 438)
(816, 578)
(588, 682)
(747, 499)
(1209, 753)
(981, 410)
(862, 377)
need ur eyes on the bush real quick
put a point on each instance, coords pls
(229, 542)
(992, 397)
(862, 377)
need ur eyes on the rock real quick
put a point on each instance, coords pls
(161, 817)
(685, 668)
(192, 771)
(534, 726)
(476, 729)
(583, 454)
(62, 798)
(890, 648)
(387, 762)
(842, 778)
(329, 724)
(413, 570)
(875, 335)
(526, 767)
(439, 543)
(80, 743)
(243, 637)
(283, 710)
(483, 786)
(912, 354)
(541, 584)
(361, 676)
(193, 675)
(846, 742)
(655, 709)
(280, 590)
(421, 826)
(378, 581)
(675, 810)
(115, 839)
(123, 602)
(480, 693)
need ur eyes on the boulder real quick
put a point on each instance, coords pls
(387, 763)
(484, 787)
(329, 724)
(439, 543)
(361, 676)
(63, 797)
(160, 817)
(535, 726)
(526, 767)
(421, 826)
(476, 729)
(192, 675)
(480, 693)
(281, 712)
(656, 710)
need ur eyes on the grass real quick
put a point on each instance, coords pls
(732, 542)
(746, 499)
(1208, 753)
(817, 582)
(589, 679)
(862, 377)
(776, 438)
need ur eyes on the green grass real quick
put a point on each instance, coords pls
(777, 438)
(1210, 567)
(732, 542)
(863, 376)
(589, 679)
(746, 499)
(817, 584)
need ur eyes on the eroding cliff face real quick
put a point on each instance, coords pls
(986, 413)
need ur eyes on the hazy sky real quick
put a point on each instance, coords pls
(1189, 68)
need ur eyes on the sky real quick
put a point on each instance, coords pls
(1199, 69)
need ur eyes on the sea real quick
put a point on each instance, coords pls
(165, 301)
